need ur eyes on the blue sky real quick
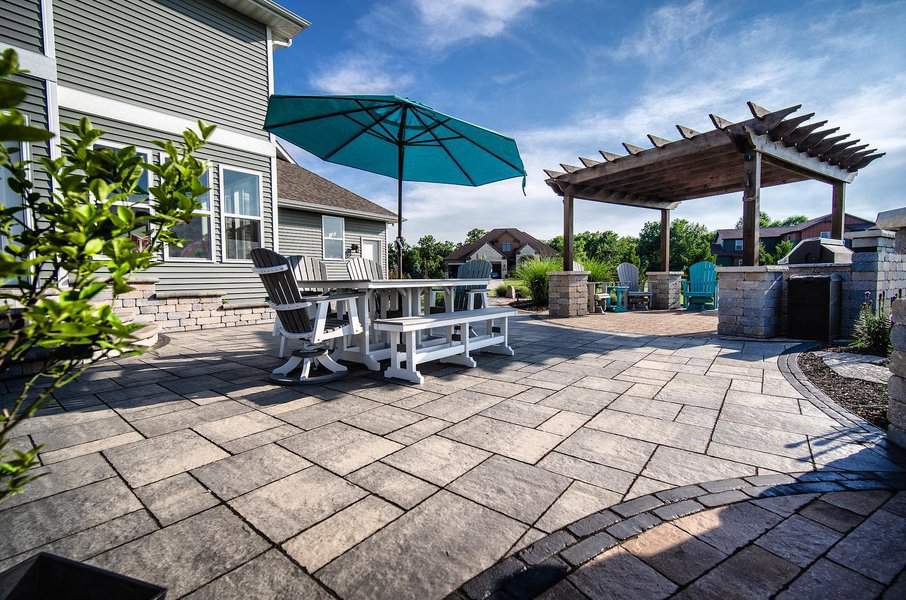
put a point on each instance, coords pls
(567, 78)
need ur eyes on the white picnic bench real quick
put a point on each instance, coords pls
(457, 350)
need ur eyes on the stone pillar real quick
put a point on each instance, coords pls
(568, 294)
(895, 220)
(750, 301)
(665, 289)
(896, 386)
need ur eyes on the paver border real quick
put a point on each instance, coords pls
(548, 561)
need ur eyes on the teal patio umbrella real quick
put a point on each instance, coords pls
(396, 137)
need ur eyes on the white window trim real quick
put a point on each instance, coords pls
(324, 239)
(209, 213)
(151, 154)
(224, 214)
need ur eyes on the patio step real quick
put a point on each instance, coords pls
(147, 335)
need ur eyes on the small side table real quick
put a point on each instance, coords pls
(622, 291)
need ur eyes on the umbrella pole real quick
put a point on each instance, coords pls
(400, 146)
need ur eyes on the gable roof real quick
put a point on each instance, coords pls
(769, 232)
(525, 239)
(297, 187)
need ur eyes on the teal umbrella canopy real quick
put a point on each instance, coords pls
(396, 137)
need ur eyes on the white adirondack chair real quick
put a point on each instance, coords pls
(629, 277)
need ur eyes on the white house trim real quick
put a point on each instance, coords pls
(48, 42)
(38, 65)
(224, 214)
(101, 106)
(275, 223)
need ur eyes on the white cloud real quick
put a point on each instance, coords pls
(358, 74)
(666, 27)
(447, 22)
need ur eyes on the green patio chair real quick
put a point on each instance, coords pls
(701, 289)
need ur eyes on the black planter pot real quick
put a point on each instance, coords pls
(49, 577)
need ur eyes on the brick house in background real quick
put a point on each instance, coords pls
(502, 247)
(727, 249)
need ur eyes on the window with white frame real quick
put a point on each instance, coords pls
(240, 197)
(197, 235)
(333, 232)
(507, 246)
(824, 234)
(140, 201)
(737, 245)
(9, 198)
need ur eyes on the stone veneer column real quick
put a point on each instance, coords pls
(568, 293)
(665, 289)
(896, 388)
(750, 299)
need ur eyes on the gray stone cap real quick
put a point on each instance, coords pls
(841, 266)
(247, 304)
(758, 269)
(662, 273)
(142, 279)
(871, 233)
(892, 219)
(190, 294)
(564, 273)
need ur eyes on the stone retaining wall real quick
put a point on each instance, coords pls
(568, 294)
(185, 311)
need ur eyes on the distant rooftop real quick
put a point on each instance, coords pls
(768, 232)
(467, 249)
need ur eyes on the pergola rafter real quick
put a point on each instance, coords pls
(772, 148)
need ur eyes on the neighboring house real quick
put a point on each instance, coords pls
(503, 248)
(319, 218)
(146, 70)
(728, 247)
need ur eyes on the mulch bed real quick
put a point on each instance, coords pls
(528, 306)
(866, 399)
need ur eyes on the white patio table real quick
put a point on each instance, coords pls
(410, 292)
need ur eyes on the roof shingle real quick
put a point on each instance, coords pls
(297, 187)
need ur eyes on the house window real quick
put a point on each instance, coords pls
(240, 197)
(197, 234)
(333, 232)
(507, 246)
(140, 201)
(824, 234)
(9, 198)
(737, 245)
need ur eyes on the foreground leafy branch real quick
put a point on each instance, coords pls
(62, 254)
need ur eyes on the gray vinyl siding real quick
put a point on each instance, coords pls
(35, 107)
(198, 59)
(20, 24)
(236, 279)
(300, 233)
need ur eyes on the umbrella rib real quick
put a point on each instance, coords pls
(491, 152)
(450, 154)
(373, 118)
(428, 129)
(338, 113)
(377, 134)
(358, 134)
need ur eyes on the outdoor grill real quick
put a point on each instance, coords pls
(813, 301)
(818, 250)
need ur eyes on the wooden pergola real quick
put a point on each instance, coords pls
(771, 148)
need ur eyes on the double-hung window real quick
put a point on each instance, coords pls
(9, 198)
(333, 232)
(140, 200)
(507, 246)
(198, 239)
(243, 227)
(737, 245)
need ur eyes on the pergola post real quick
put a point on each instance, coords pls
(838, 212)
(567, 231)
(665, 239)
(751, 208)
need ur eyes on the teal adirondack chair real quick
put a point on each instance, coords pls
(701, 289)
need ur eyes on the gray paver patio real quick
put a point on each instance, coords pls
(190, 469)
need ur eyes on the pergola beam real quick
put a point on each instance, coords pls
(751, 212)
(568, 231)
(838, 211)
(665, 239)
(795, 159)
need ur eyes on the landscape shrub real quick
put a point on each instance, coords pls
(871, 332)
(534, 274)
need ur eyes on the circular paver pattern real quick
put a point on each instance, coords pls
(812, 535)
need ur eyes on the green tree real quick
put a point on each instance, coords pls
(61, 254)
(474, 235)
(782, 248)
(604, 246)
(689, 244)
